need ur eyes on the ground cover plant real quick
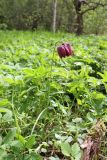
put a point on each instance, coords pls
(49, 105)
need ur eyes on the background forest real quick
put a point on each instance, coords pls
(40, 14)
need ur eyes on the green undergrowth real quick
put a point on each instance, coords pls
(48, 104)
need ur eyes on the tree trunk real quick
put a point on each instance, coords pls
(54, 15)
(79, 17)
(79, 29)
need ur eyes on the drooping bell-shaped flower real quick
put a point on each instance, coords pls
(65, 49)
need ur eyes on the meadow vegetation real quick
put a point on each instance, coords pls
(47, 104)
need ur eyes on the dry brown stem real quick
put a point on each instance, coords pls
(92, 143)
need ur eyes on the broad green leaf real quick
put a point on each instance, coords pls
(10, 136)
(21, 138)
(3, 154)
(104, 76)
(4, 102)
(105, 117)
(72, 127)
(65, 148)
(7, 116)
(69, 139)
(89, 117)
(30, 142)
(75, 151)
(57, 136)
(4, 109)
(17, 144)
(33, 156)
(36, 157)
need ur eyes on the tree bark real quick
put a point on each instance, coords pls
(79, 17)
(79, 29)
(80, 13)
(54, 15)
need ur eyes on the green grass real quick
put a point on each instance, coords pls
(48, 104)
